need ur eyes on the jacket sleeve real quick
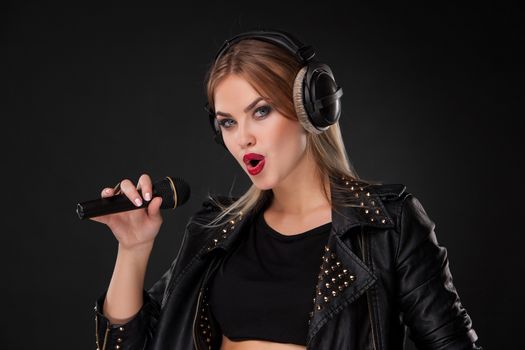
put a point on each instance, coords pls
(138, 332)
(135, 334)
(429, 303)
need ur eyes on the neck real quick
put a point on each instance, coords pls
(302, 191)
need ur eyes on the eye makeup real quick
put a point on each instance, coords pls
(264, 109)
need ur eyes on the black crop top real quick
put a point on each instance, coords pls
(264, 288)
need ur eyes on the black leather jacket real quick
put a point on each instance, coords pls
(382, 271)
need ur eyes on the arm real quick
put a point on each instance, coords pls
(124, 296)
(429, 303)
(134, 317)
(125, 315)
(120, 315)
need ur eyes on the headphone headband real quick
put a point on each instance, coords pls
(316, 95)
(303, 53)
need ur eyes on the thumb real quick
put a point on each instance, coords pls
(102, 219)
(154, 207)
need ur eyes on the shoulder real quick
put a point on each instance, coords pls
(214, 203)
(210, 207)
(368, 190)
(196, 234)
(402, 204)
(389, 191)
(385, 191)
(380, 200)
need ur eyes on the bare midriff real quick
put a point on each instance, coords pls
(228, 344)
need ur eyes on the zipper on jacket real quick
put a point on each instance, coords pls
(214, 264)
(105, 334)
(364, 255)
(195, 320)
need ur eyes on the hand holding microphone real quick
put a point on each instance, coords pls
(132, 227)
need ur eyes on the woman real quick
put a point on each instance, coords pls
(310, 257)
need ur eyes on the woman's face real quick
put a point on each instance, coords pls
(249, 124)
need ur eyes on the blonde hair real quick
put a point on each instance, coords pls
(271, 71)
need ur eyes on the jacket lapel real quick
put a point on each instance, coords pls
(343, 277)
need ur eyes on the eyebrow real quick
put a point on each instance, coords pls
(248, 108)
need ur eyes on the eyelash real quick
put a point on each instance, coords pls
(222, 122)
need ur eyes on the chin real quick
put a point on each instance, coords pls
(262, 184)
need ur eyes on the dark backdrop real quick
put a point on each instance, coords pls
(96, 94)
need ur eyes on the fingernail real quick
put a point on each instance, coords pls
(147, 196)
(138, 202)
(108, 190)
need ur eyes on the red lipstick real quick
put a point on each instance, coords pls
(254, 163)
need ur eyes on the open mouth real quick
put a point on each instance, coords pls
(254, 162)
(255, 166)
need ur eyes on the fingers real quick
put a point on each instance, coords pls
(107, 192)
(154, 207)
(128, 189)
(100, 219)
(146, 187)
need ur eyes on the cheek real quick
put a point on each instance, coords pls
(290, 139)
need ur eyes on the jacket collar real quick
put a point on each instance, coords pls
(367, 209)
(343, 277)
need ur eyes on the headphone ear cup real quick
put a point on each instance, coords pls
(217, 131)
(321, 96)
(218, 139)
(299, 103)
(217, 135)
(316, 96)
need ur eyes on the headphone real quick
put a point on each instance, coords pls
(315, 93)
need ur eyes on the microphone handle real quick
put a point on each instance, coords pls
(108, 205)
(173, 191)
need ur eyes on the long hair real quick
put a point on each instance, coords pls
(271, 71)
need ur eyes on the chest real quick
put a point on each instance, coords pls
(340, 280)
(264, 288)
(288, 224)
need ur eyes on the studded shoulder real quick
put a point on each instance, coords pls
(392, 196)
(208, 210)
(389, 191)
(371, 210)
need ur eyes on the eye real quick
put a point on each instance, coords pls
(265, 110)
(223, 123)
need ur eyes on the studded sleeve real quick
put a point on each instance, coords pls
(138, 332)
(135, 334)
(429, 302)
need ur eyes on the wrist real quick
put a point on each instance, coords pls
(138, 254)
(137, 249)
(132, 262)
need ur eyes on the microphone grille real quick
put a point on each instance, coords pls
(174, 192)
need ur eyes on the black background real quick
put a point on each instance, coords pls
(96, 94)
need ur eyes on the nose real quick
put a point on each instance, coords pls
(245, 137)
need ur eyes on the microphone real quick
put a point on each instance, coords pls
(174, 192)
